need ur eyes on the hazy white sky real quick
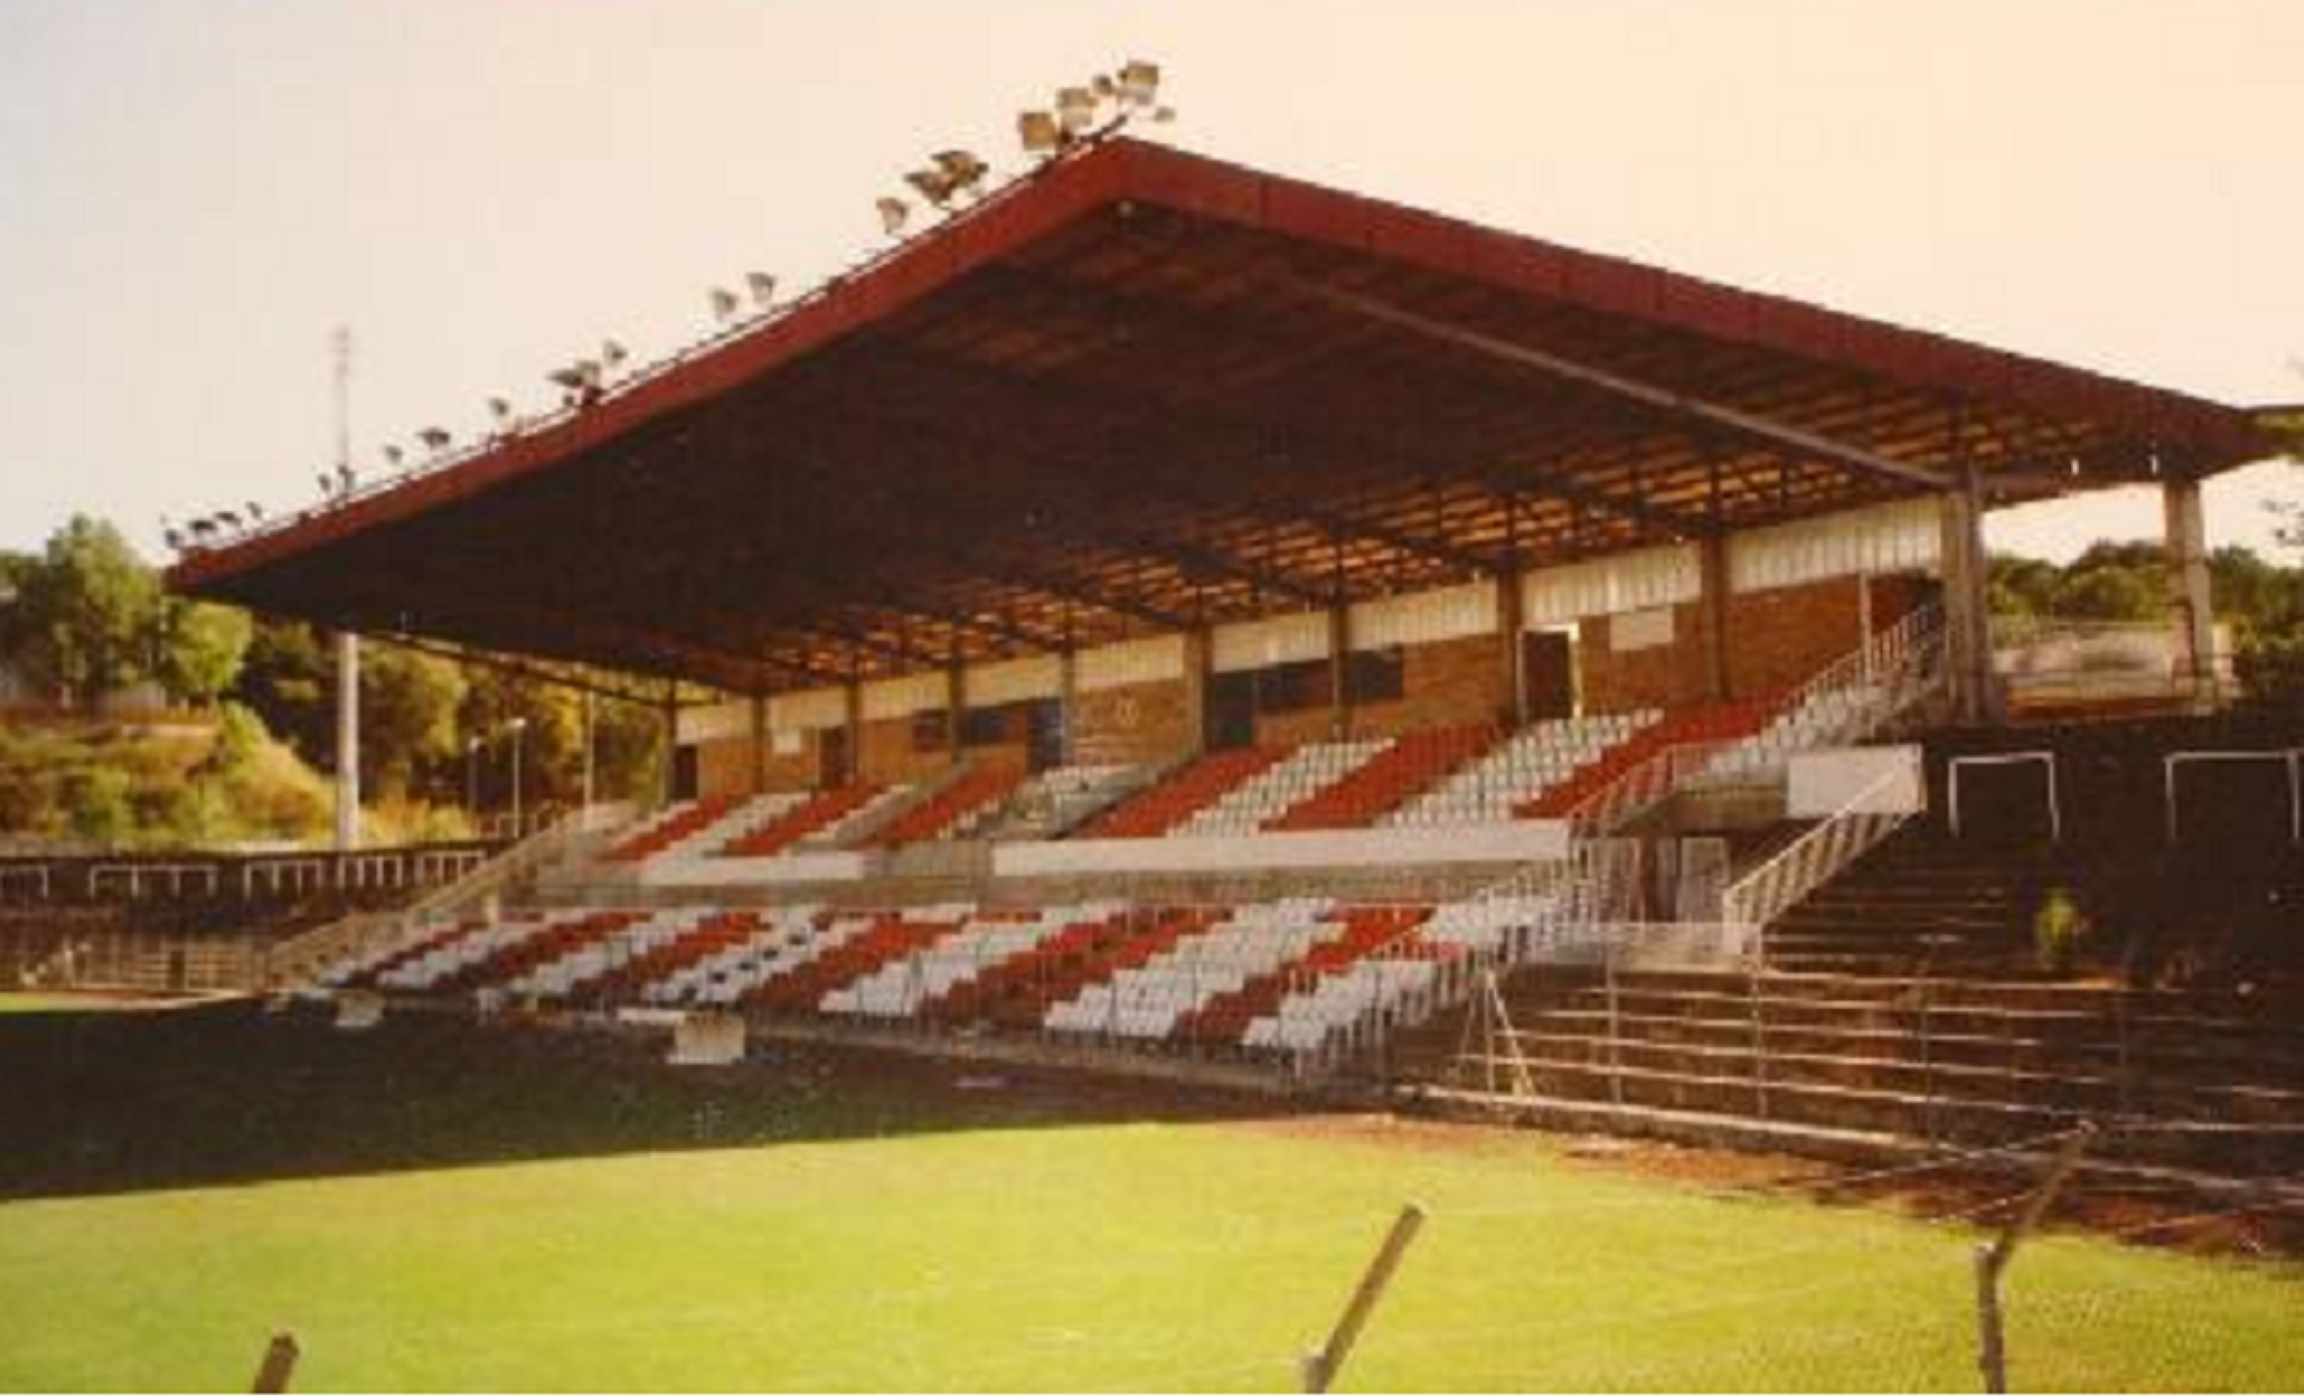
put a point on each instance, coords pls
(192, 195)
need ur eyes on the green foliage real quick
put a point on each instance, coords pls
(87, 612)
(408, 707)
(202, 648)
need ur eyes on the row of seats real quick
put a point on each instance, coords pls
(666, 828)
(972, 795)
(1283, 977)
(1166, 805)
(1409, 766)
(817, 816)
(1520, 769)
(1278, 788)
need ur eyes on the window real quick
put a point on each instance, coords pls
(993, 724)
(1376, 675)
(931, 731)
(1297, 685)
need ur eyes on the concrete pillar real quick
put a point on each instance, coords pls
(955, 701)
(671, 791)
(1512, 645)
(2193, 603)
(1712, 610)
(347, 741)
(852, 725)
(1967, 614)
(1067, 698)
(1199, 664)
(759, 744)
(1339, 670)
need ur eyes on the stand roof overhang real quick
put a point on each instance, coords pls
(1141, 390)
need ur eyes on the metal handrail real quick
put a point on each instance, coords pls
(1822, 852)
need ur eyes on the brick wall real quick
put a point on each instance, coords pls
(1146, 723)
(1657, 677)
(1460, 681)
(886, 754)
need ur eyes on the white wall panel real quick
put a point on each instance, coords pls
(823, 708)
(906, 695)
(1138, 662)
(1899, 537)
(1006, 682)
(1269, 641)
(1644, 578)
(702, 723)
(1413, 619)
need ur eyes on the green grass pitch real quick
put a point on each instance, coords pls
(798, 1230)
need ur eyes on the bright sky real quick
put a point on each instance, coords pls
(191, 196)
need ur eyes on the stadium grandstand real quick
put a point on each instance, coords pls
(1176, 616)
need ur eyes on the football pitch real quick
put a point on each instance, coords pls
(453, 1209)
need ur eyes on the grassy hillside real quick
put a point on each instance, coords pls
(198, 783)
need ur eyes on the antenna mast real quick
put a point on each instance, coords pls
(341, 344)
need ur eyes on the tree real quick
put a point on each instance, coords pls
(408, 707)
(202, 648)
(89, 611)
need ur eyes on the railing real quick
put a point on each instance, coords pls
(1820, 853)
(1888, 672)
(297, 959)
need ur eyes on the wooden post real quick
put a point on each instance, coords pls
(1992, 1260)
(278, 1366)
(1322, 1366)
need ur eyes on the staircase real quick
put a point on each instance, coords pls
(1924, 904)
(1831, 1063)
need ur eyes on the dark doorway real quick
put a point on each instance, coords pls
(1044, 735)
(832, 757)
(1548, 665)
(1231, 709)
(684, 773)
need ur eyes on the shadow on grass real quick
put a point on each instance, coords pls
(230, 1094)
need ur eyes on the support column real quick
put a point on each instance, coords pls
(1512, 644)
(1067, 698)
(1339, 670)
(1199, 660)
(955, 701)
(1712, 608)
(1967, 616)
(759, 744)
(2185, 522)
(671, 792)
(852, 725)
(347, 741)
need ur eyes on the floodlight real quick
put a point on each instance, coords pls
(724, 303)
(962, 170)
(589, 373)
(1139, 82)
(500, 409)
(1039, 133)
(434, 439)
(255, 513)
(1105, 87)
(934, 186)
(328, 483)
(172, 537)
(1163, 114)
(762, 287)
(613, 354)
(392, 454)
(345, 478)
(893, 215)
(1075, 109)
(571, 379)
(230, 520)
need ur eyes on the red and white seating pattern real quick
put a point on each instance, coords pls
(984, 941)
(1521, 769)
(1146, 1002)
(1266, 795)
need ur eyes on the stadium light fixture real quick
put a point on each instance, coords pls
(962, 170)
(613, 354)
(724, 303)
(345, 479)
(435, 439)
(762, 287)
(1075, 110)
(1139, 82)
(894, 214)
(934, 186)
(255, 513)
(500, 409)
(393, 455)
(1040, 133)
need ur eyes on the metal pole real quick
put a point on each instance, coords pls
(519, 729)
(1321, 1367)
(347, 741)
(590, 718)
(1992, 1260)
